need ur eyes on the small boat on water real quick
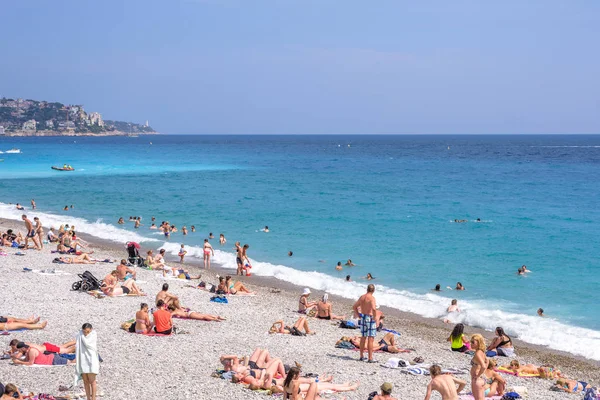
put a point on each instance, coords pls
(13, 151)
(65, 168)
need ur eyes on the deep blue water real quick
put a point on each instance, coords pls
(386, 202)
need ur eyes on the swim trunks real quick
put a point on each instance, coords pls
(367, 326)
(125, 289)
(31, 233)
(327, 317)
(52, 348)
(3, 320)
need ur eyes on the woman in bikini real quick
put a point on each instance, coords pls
(8, 323)
(236, 288)
(142, 320)
(479, 364)
(502, 344)
(208, 251)
(113, 288)
(570, 385)
(304, 307)
(256, 376)
(194, 315)
(257, 360)
(301, 323)
(387, 344)
(529, 369)
(291, 387)
(494, 383)
(324, 309)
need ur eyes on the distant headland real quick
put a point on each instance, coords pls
(42, 118)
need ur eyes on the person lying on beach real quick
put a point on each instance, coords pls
(494, 383)
(323, 384)
(324, 309)
(84, 258)
(11, 392)
(444, 384)
(124, 272)
(304, 306)
(237, 288)
(112, 287)
(294, 388)
(387, 344)
(257, 360)
(8, 323)
(167, 298)
(142, 320)
(35, 356)
(502, 344)
(194, 315)
(301, 323)
(256, 376)
(65, 348)
(530, 369)
(163, 321)
(570, 385)
(178, 272)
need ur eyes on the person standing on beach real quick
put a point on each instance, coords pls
(238, 259)
(31, 234)
(208, 251)
(444, 384)
(87, 362)
(39, 231)
(366, 308)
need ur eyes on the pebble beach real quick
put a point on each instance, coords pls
(180, 366)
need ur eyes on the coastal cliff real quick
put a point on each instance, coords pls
(41, 118)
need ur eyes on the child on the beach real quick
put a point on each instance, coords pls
(182, 253)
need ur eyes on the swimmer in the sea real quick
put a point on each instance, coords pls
(478, 220)
(348, 278)
(184, 230)
(459, 286)
(349, 263)
(266, 230)
(369, 277)
(524, 268)
(520, 271)
(540, 312)
(290, 253)
(339, 266)
(121, 221)
(193, 228)
(437, 288)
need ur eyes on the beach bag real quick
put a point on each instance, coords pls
(348, 325)
(511, 396)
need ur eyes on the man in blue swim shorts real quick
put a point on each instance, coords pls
(365, 308)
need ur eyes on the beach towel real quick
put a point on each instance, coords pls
(395, 363)
(392, 331)
(470, 397)
(49, 272)
(86, 351)
(505, 370)
(219, 299)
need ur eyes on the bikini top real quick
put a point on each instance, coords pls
(504, 342)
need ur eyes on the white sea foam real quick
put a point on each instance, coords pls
(531, 329)
(98, 228)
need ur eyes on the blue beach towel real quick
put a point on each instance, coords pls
(219, 299)
(392, 331)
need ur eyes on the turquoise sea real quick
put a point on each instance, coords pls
(386, 202)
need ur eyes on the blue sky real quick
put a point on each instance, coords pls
(304, 66)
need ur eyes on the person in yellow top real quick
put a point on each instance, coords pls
(458, 340)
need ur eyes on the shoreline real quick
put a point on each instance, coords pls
(135, 365)
(411, 322)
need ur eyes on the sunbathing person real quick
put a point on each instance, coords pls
(65, 348)
(324, 309)
(11, 392)
(502, 344)
(34, 356)
(301, 323)
(178, 272)
(83, 258)
(167, 297)
(387, 344)
(162, 319)
(236, 288)
(293, 387)
(124, 272)
(304, 306)
(194, 315)
(112, 287)
(254, 376)
(259, 359)
(9, 323)
(494, 383)
(570, 385)
(142, 320)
